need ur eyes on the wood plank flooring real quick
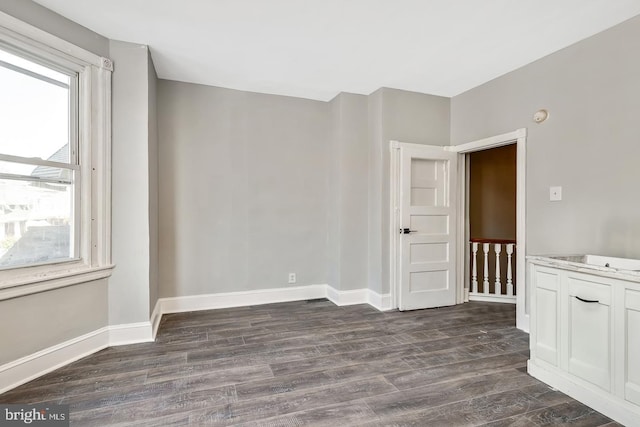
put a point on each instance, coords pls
(313, 363)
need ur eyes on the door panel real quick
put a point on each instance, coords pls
(430, 224)
(590, 331)
(428, 210)
(547, 289)
(435, 280)
(632, 329)
(428, 182)
(432, 251)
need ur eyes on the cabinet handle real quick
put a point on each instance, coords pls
(587, 300)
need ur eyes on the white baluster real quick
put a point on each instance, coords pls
(509, 271)
(498, 285)
(485, 282)
(474, 268)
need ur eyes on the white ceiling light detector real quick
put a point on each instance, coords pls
(540, 116)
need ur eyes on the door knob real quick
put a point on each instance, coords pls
(407, 231)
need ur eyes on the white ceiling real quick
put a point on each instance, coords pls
(318, 48)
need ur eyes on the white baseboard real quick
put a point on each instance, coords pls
(270, 296)
(352, 297)
(130, 333)
(156, 317)
(613, 407)
(359, 296)
(240, 299)
(27, 368)
(493, 298)
(380, 301)
(30, 367)
(522, 323)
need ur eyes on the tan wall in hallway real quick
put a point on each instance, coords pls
(492, 193)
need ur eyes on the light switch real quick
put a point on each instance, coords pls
(555, 194)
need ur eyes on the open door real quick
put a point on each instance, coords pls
(427, 259)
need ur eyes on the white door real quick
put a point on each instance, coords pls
(427, 261)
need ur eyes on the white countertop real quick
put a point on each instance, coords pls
(577, 263)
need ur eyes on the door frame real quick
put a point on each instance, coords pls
(519, 137)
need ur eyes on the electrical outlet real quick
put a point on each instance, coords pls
(292, 277)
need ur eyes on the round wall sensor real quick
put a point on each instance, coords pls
(540, 116)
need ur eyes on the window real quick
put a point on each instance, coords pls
(39, 169)
(55, 212)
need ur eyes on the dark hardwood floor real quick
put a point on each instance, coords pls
(313, 363)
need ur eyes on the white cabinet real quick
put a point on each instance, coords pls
(585, 336)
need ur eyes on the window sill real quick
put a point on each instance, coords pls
(15, 284)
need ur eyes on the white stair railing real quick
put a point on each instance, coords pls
(510, 289)
(486, 293)
(474, 271)
(485, 282)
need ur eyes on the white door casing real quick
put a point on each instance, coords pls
(427, 232)
(518, 137)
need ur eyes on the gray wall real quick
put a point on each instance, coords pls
(375, 157)
(153, 185)
(34, 322)
(243, 197)
(348, 193)
(589, 145)
(253, 186)
(129, 285)
(334, 194)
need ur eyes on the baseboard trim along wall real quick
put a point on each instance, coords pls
(131, 333)
(25, 369)
(613, 407)
(270, 296)
(156, 317)
(490, 298)
(35, 365)
(240, 299)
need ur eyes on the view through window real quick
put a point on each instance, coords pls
(38, 163)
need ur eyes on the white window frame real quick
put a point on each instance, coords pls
(94, 143)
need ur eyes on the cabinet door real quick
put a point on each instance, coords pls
(632, 349)
(545, 334)
(590, 330)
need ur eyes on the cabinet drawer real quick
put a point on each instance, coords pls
(583, 286)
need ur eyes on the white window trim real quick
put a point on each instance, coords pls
(94, 133)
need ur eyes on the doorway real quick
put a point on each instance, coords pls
(491, 224)
(458, 222)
